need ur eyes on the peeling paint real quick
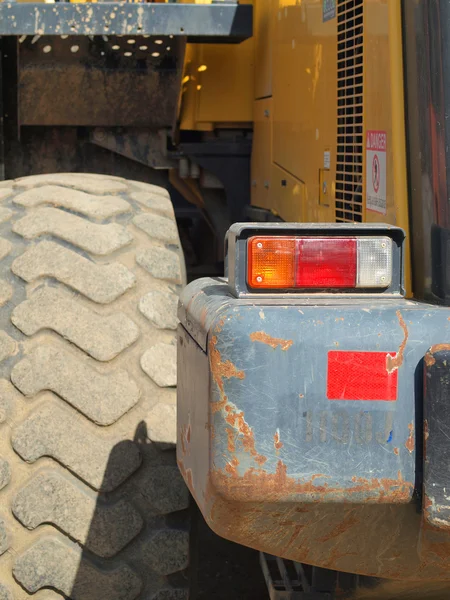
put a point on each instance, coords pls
(278, 444)
(395, 362)
(410, 443)
(237, 420)
(279, 487)
(429, 358)
(231, 436)
(265, 338)
(221, 370)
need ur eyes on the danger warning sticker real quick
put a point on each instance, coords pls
(376, 171)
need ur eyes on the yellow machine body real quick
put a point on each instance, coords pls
(287, 82)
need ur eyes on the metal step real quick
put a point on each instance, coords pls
(218, 22)
(288, 580)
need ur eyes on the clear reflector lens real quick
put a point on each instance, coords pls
(374, 262)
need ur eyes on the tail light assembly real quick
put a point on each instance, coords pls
(306, 259)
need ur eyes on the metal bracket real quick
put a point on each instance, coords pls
(145, 147)
(228, 22)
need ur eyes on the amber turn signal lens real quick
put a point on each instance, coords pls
(271, 262)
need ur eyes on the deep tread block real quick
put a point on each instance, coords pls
(157, 227)
(5, 473)
(4, 537)
(168, 550)
(5, 213)
(150, 188)
(7, 346)
(52, 498)
(5, 248)
(103, 337)
(86, 182)
(6, 292)
(161, 263)
(160, 308)
(97, 207)
(164, 488)
(158, 203)
(81, 282)
(5, 593)
(92, 237)
(60, 565)
(162, 423)
(100, 283)
(102, 398)
(160, 364)
(52, 431)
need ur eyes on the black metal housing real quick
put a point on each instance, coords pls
(427, 66)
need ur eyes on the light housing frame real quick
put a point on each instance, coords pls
(236, 257)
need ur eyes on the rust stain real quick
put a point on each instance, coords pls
(427, 502)
(347, 523)
(395, 362)
(203, 315)
(409, 444)
(297, 529)
(231, 467)
(265, 338)
(429, 358)
(231, 440)
(237, 420)
(426, 435)
(396, 451)
(440, 549)
(221, 370)
(276, 441)
(218, 328)
(279, 486)
(185, 438)
(226, 370)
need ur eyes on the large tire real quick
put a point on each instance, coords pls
(92, 506)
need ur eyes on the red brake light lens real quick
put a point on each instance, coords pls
(326, 263)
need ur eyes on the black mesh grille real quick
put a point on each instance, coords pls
(350, 80)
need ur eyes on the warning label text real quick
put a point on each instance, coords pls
(376, 143)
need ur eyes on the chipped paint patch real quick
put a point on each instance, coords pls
(237, 420)
(409, 444)
(265, 338)
(395, 362)
(221, 370)
(279, 487)
(277, 443)
(429, 358)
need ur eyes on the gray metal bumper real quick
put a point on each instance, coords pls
(273, 462)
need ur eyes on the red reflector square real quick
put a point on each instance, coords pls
(360, 376)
